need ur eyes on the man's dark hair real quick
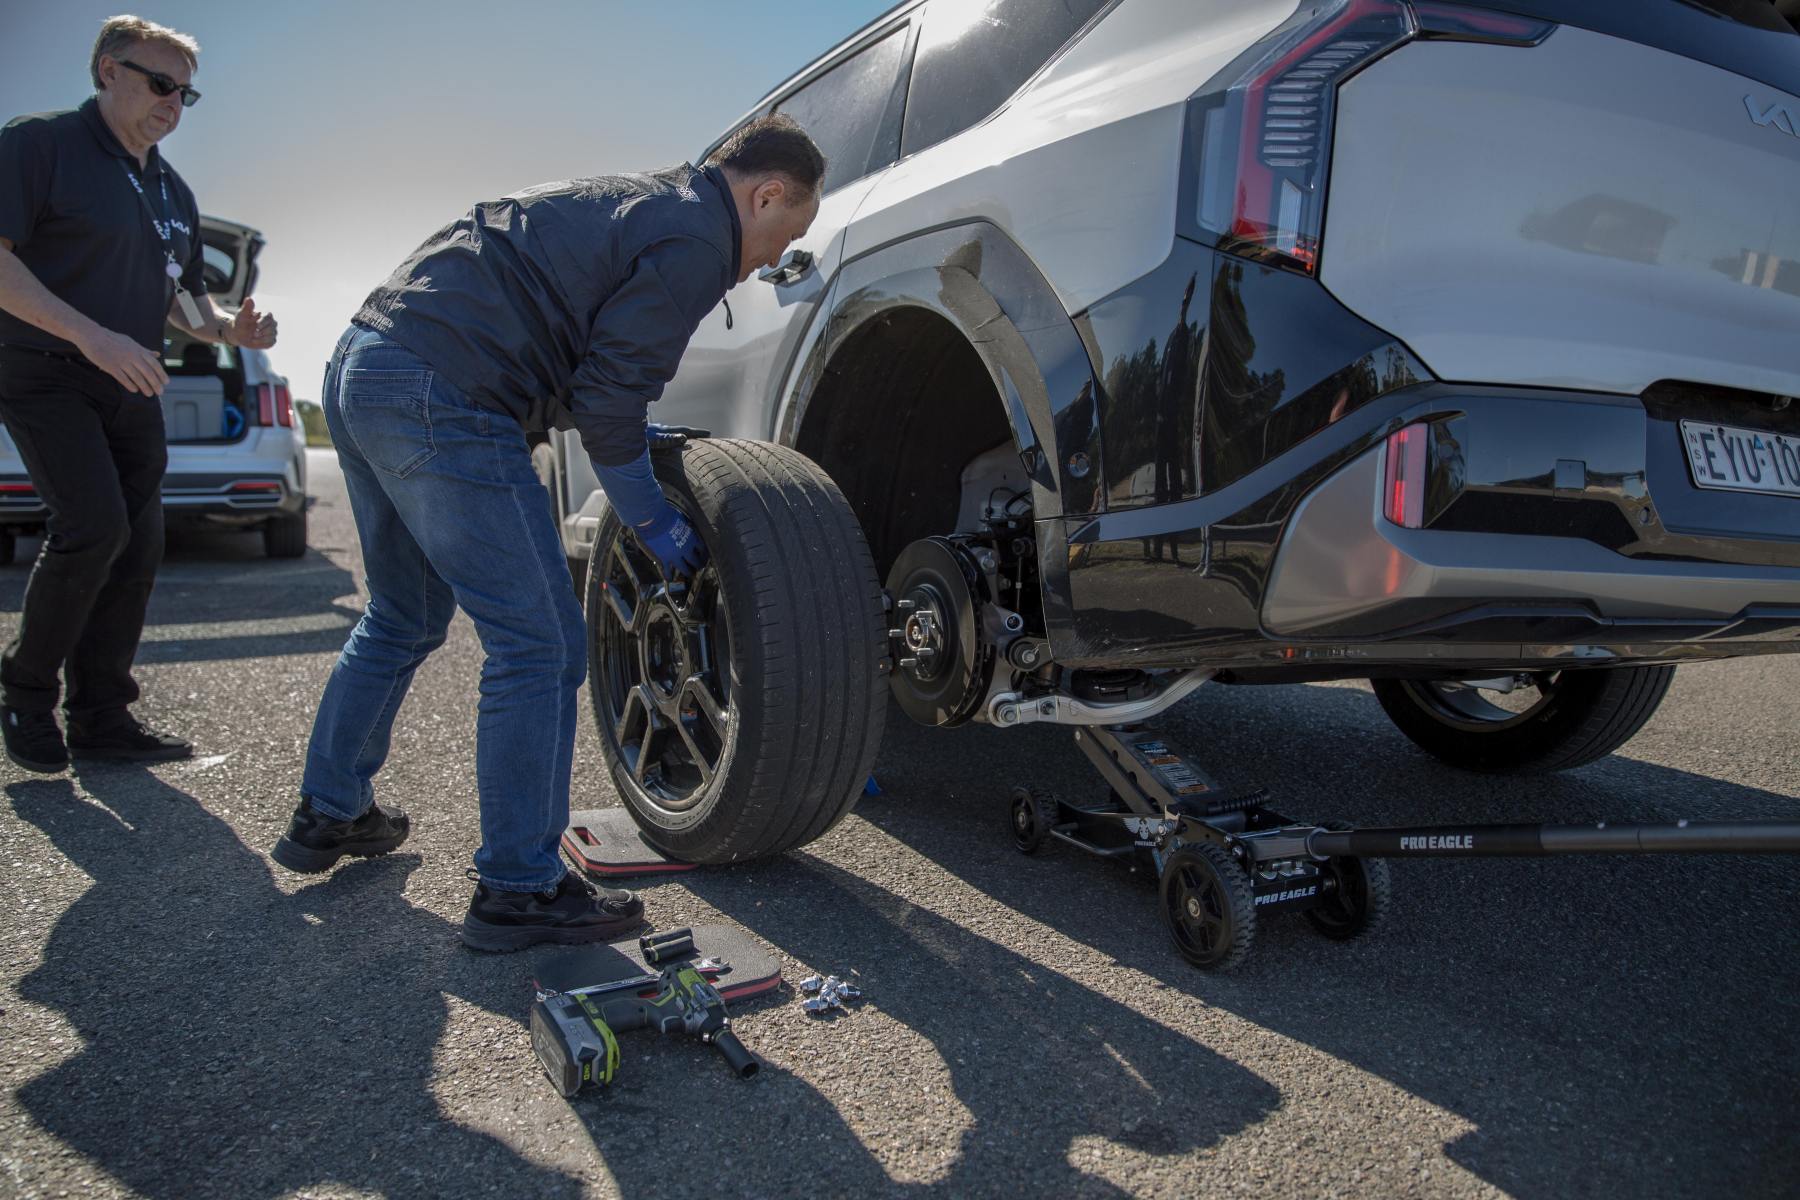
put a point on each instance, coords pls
(773, 145)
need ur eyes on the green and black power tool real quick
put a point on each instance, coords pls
(572, 1032)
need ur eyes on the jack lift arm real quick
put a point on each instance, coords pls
(1224, 858)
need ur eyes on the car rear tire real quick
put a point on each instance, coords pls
(739, 716)
(285, 537)
(1579, 716)
(9, 547)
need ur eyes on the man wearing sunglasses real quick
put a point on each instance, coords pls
(99, 246)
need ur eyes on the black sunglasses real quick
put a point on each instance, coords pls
(162, 85)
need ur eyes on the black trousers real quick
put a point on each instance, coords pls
(96, 455)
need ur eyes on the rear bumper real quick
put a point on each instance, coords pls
(1569, 532)
(242, 498)
(260, 476)
(1345, 570)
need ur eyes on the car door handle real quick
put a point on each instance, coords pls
(792, 266)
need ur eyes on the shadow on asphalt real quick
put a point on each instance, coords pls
(1609, 1026)
(209, 577)
(242, 1042)
(1036, 1058)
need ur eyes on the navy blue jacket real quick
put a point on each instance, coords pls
(569, 305)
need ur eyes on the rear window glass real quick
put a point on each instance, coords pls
(845, 111)
(974, 54)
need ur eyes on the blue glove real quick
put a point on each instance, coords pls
(635, 495)
(671, 437)
(675, 543)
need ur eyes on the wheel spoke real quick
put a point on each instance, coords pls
(696, 689)
(640, 703)
(697, 598)
(622, 611)
(642, 762)
(619, 578)
(700, 760)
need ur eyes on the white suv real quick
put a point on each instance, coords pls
(1146, 342)
(237, 454)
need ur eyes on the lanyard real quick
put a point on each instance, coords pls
(163, 228)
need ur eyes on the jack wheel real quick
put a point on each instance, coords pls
(1209, 906)
(1033, 816)
(1356, 893)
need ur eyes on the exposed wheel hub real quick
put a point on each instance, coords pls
(663, 651)
(942, 660)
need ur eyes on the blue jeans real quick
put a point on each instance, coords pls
(449, 512)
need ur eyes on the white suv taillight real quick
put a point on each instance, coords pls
(274, 405)
(1265, 124)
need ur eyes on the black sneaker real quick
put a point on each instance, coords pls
(128, 739)
(33, 740)
(315, 842)
(569, 914)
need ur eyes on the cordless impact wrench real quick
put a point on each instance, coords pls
(572, 1032)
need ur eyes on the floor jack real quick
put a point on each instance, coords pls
(1225, 859)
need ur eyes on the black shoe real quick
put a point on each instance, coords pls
(315, 842)
(569, 914)
(128, 739)
(33, 740)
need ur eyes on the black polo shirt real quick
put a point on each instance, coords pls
(75, 221)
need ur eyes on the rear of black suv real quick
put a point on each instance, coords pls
(1482, 353)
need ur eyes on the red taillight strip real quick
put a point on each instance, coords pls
(1279, 112)
(1444, 21)
(1285, 123)
(1403, 492)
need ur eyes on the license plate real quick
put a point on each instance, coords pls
(1735, 459)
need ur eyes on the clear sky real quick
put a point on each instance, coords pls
(348, 131)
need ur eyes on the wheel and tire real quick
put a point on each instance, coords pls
(285, 536)
(1208, 906)
(543, 461)
(739, 715)
(1033, 817)
(1357, 894)
(9, 547)
(1561, 719)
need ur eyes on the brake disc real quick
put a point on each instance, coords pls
(942, 660)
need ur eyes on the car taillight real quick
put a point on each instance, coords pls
(1265, 124)
(1455, 22)
(274, 405)
(1403, 487)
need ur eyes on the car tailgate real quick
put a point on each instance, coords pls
(1588, 212)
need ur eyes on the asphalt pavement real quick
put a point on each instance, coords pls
(179, 1017)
